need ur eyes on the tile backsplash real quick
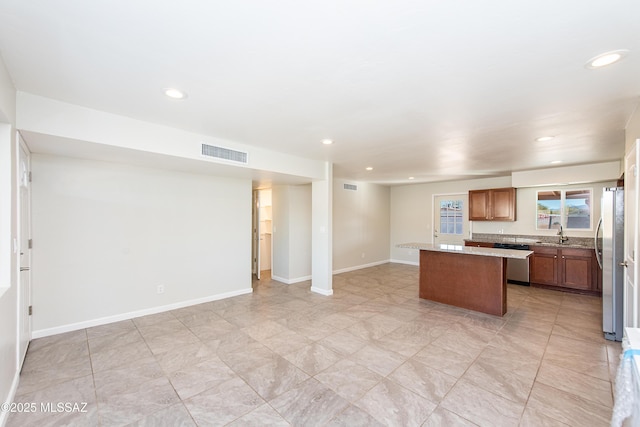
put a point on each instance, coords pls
(529, 239)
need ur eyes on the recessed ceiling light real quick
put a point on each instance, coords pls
(411, 177)
(606, 58)
(555, 162)
(369, 168)
(545, 138)
(174, 93)
(327, 141)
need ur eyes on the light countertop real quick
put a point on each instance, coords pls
(550, 240)
(469, 250)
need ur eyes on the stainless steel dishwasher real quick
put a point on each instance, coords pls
(517, 269)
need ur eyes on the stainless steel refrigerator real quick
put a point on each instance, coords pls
(609, 247)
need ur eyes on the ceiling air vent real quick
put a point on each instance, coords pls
(224, 154)
(350, 187)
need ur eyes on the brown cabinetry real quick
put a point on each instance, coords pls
(577, 267)
(496, 204)
(543, 266)
(479, 244)
(564, 268)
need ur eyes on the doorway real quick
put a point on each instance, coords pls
(24, 231)
(450, 219)
(262, 233)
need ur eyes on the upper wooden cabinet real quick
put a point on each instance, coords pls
(496, 204)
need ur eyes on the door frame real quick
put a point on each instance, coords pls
(465, 216)
(631, 244)
(24, 295)
(255, 236)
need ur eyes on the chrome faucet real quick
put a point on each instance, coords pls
(563, 238)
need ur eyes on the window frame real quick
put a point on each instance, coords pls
(564, 209)
(457, 221)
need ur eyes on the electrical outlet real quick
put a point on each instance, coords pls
(161, 289)
(362, 254)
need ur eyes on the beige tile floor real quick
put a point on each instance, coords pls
(372, 354)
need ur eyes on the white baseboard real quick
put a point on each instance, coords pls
(360, 267)
(325, 292)
(4, 415)
(341, 270)
(291, 281)
(401, 261)
(133, 314)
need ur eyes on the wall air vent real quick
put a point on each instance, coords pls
(225, 154)
(350, 187)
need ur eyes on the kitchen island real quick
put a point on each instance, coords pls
(464, 276)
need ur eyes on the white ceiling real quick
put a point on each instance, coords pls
(432, 89)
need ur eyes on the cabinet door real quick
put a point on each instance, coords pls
(503, 204)
(543, 266)
(479, 205)
(577, 269)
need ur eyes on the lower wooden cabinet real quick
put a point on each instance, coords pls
(543, 266)
(564, 268)
(577, 269)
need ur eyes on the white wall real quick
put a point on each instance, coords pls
(107, 234)
(8, 230)
(632, 131)
(291, 233)
(412, 211)
(526, 213)
(322, 233)
(7, 172)
(280, 233)
(361, 225)
(300, 232)
(75, 131)
(98, 128)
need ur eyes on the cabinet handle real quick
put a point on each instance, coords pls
(555, 256)
(562, 256)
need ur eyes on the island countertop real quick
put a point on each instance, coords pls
(469, 250)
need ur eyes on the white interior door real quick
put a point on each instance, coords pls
(631, 238)
(451, 219)
(24, 226)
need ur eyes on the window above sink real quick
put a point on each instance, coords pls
(571, 209)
